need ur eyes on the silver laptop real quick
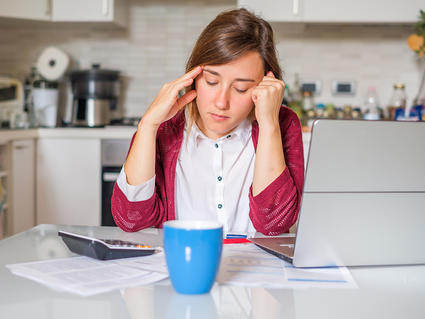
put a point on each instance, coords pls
(364, 197)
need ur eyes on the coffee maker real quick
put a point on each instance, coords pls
(95, 94)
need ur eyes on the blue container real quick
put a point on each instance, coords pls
(193, 252)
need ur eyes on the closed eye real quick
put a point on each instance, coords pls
(211, 83)
(241, 91)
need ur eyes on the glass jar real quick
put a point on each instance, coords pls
(397, 101)
(308, 108)
(371, 105)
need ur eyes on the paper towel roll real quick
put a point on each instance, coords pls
(52, 63)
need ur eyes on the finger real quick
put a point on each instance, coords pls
(192, 73)
(181, 84)
(276, 84)
(182, 101)
(271, 79)
(270, 83)
(268, 87)
(254, 95)
(270, 73)
(186, 98)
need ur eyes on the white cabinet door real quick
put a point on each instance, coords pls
(362, 11)
(68, 181)
(26, 9)
(90, 11)
(275, 10)
(22, 204)
(336, 11)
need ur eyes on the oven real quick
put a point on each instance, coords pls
(114, 152)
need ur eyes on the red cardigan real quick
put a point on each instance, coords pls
(272, 212)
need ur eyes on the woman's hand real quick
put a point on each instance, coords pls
(166, 104)
(267, 97)
(139, 166)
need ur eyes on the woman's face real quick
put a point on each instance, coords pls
(224, 94)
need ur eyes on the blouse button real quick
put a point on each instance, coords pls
(220, 206)
(228, 136)
(216, 145)
(219, 178)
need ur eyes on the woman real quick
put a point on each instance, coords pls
(226, 150)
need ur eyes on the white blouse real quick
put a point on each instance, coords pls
(213, 178)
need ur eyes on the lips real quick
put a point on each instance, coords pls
(218, 117)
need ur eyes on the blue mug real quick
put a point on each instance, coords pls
(193, 253)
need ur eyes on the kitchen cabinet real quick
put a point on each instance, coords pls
(90, 11)
(362, 11)
(52, 176)
(4, 187)
(68, 181)
(275, 10)
(336, 11)
(108, 11)
(17, 182)
(26, 9)
(22, 182)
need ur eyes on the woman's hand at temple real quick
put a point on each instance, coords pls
(167, 103)
(165, 106)
(267, 97)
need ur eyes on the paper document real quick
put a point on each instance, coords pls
(249, 265)
(241, 265)
(87, 276)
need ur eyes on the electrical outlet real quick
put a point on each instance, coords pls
(340, 87)
(313, 86)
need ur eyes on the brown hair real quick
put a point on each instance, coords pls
(229, 36)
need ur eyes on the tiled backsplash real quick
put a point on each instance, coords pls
(157, 43)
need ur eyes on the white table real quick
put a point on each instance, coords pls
(384, 292)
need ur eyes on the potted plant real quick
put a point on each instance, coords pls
(416, 42)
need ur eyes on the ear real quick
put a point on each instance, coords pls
(270, 73)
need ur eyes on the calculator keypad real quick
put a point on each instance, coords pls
(123, 243)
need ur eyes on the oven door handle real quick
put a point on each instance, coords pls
(110, 176)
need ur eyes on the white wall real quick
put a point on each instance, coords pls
(161, 33)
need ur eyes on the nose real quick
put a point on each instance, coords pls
(222, 99)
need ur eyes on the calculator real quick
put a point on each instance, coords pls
(104, 249)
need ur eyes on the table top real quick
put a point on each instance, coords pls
(384, 292)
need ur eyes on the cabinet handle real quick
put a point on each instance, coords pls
(110, 176)
(105, 7)
(49, 8)
(296, 7)
(20, 147)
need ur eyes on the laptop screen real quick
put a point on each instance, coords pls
(364, 195)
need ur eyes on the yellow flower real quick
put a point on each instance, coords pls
(415, 42)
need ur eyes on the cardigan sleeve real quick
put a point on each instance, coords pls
(136, 215)
(135, 192)
(275, 209)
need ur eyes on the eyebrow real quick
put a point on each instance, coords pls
(237, 79)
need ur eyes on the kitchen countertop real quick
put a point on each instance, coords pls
(109, 132)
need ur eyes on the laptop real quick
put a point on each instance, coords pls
(363, 200)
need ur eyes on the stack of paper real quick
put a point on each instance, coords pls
(86, 276)
(241, 265)
(249, 265)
